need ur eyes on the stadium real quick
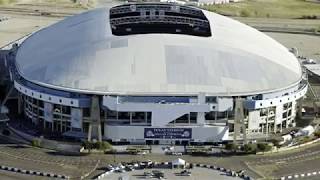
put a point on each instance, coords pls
(156, 73)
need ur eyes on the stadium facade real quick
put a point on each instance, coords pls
(156, 73)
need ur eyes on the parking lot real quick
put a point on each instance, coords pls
(196, 173)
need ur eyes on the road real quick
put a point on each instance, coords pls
(282, 164)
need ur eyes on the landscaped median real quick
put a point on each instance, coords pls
(282, 149)
(252, 148)
(272, 146)
(96, 147)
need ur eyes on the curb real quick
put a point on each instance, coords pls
(217, 168)
(35, 173)
(302, 175)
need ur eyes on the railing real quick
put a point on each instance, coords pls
(158, 7)
(159, 19)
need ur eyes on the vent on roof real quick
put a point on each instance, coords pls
(158, 18)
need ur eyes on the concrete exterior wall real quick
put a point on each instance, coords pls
(136, 133)
(162, 114)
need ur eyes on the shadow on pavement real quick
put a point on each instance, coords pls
(59, 153)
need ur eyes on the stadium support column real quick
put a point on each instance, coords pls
(19, 103)
(299, 108)
(239, 121)
(95, 122)
(201, 115)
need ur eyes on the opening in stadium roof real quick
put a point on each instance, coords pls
(158, 18)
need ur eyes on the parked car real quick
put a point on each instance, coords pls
(185, 173)
(148, 174)
(110, 167)
(158, 174)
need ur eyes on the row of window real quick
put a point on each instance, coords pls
(40, 96)
(280, 100)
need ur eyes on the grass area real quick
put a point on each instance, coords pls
(269, 8)
(266, 170)
(4, 2)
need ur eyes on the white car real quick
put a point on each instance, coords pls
(177, 153)
(142, 153)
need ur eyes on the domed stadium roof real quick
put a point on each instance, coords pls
(84, 54)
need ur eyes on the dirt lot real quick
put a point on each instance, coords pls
(31, 15)
(307, 45)
(269, 8)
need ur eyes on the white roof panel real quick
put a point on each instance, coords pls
(81, 54)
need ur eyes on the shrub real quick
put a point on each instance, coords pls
(96, 145)
(263, 147)
(309, 17)
(268, 15)
(250, 148)
(103, 145)
(35, 143)
(316, 30)
(244, 13)
(6, 132)
(87, 145)
(275, 142)
(110, 151)
(317, 134)
(231, 146)
(305, 139)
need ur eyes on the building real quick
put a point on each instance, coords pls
(156, 73)
(199, 2)
(212, 2)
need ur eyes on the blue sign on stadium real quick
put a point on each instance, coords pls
(168, 133)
